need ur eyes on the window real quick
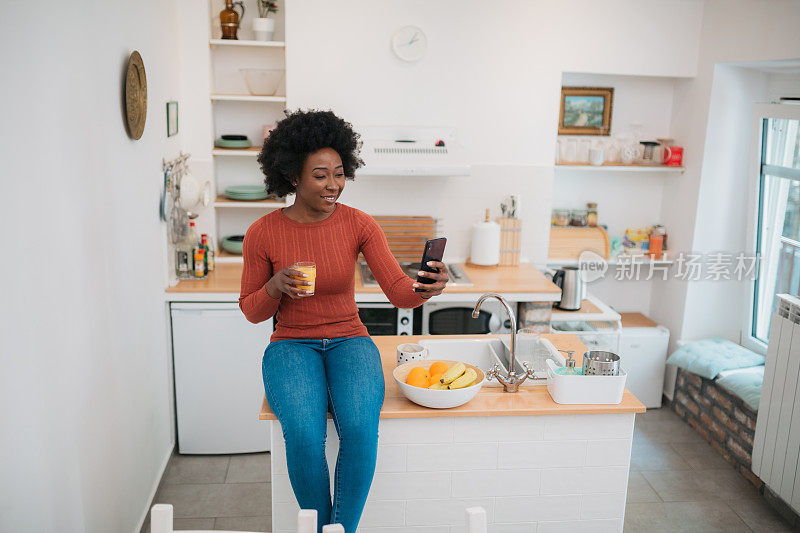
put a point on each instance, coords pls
(778, 233)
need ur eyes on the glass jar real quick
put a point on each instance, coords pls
(591, 214)
(560, 217)
(578, 217)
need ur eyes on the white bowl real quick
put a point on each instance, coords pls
(262, 81)
(436, 399)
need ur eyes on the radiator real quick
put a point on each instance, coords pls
(777, 442)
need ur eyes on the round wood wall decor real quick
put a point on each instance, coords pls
(135, 96)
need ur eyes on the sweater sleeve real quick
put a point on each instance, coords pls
(254, 300)
(398, 287)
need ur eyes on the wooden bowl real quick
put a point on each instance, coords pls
(436, 399)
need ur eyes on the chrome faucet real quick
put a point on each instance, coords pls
(512, 380)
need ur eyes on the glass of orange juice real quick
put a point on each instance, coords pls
(309, 268)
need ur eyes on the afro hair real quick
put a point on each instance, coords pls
(299, 134)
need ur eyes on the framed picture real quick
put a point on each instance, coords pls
(585, 110)
(172, 118)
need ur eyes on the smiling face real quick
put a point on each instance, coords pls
(321, 181)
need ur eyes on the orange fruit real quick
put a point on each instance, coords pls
(434, 378)
(418, 377)
(438, 368)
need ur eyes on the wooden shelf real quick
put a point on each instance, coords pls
(246, 98)
(238, 42)
(222, 201)
(620, 167)
(253, 151)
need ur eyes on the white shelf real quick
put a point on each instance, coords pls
(237, 42)
(246, 98)
(222, 202)
(604, 313)
(245, 152)
(621, 168)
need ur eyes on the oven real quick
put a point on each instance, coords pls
(456, 318)
(386, 319)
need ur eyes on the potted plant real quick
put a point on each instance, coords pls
(263, 26)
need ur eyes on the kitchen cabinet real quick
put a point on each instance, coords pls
(218, 383)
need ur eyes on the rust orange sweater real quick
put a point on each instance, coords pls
(275, 241)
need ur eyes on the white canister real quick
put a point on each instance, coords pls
(583, 150)
(485, 249)
(596, 156)
(264, 28)
(410, 351)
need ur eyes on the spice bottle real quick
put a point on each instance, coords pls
(591, 214)
(199, 266)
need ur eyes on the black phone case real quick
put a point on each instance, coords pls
(428, 256)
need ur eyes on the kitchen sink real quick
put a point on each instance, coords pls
(484, 353)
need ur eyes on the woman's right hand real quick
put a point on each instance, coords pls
(284, 282)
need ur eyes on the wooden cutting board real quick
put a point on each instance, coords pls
(407, 234)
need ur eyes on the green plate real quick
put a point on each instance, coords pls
(246, 192)
(245, 189)
(222, 143)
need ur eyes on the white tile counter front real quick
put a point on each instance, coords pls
(531, 473)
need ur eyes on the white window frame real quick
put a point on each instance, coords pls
(760, 112)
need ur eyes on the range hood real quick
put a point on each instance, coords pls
(411, 151)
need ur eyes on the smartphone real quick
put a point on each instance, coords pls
(434, 251)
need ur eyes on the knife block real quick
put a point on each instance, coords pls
(510, 240)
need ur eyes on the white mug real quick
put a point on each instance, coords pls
(596, 156)
(410, 351)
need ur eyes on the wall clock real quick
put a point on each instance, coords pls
(135, 96)
(409, 43)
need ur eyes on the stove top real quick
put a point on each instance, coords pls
(458, 278)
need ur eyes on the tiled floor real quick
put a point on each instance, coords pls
(678, 483)
(229, 492)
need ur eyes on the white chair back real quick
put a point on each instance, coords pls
(476, 520)
(307, 521)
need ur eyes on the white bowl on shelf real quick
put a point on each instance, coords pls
(436, 399)
(262, 81)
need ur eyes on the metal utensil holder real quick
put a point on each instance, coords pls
(600, 363)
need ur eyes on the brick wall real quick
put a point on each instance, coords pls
(721, 418)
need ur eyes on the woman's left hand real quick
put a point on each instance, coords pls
(440, 280)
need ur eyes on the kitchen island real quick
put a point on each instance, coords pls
(530, 462)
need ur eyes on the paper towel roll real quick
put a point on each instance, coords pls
(485, 243)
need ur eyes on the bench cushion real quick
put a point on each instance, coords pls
(744, 383)
(708, 357)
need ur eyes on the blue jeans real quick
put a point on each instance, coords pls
(303, 379)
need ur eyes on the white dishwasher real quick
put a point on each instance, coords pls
(218, 385)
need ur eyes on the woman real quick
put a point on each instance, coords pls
(320, 357)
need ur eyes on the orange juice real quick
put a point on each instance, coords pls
(309, 269)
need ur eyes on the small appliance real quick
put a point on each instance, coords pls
(573, 288)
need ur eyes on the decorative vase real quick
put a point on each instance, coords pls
(264, 28)
(229, 19)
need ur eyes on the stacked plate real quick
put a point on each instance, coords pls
(246, 193)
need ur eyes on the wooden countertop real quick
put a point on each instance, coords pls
(524, 278)
(490, 401)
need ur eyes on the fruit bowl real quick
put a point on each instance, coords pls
(436, 399)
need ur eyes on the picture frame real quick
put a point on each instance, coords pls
(172, 118)
(585, 110)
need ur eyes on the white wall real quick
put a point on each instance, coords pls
(741, 31)
(85, 377)
(493, 72)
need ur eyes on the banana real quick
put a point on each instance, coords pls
(455, 370)
(438, 386)
(466, 380)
